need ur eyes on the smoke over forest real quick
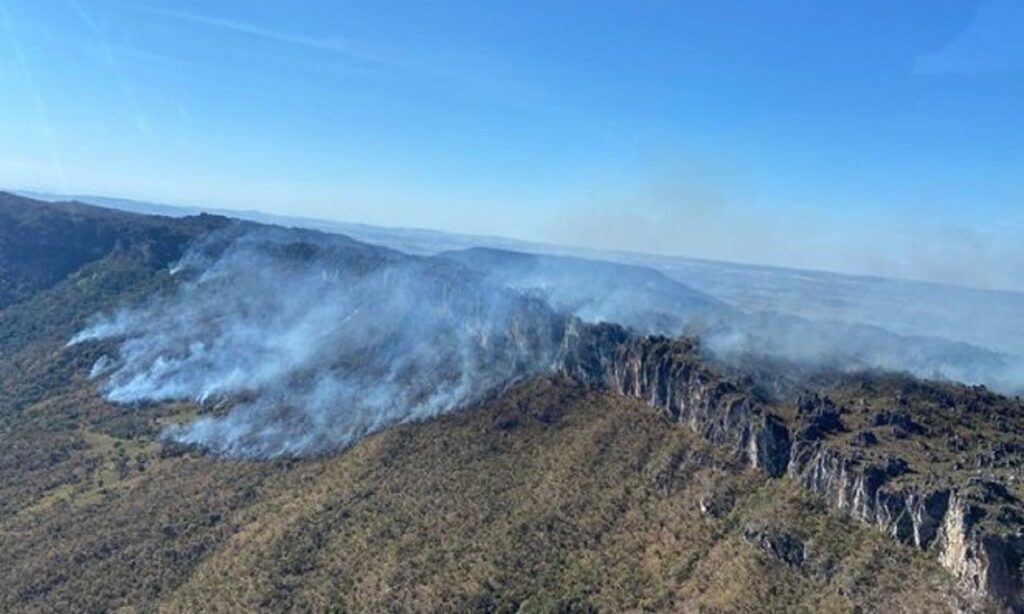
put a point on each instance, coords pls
(317, 341)
(298, 343)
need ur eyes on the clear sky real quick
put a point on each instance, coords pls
(876, 137)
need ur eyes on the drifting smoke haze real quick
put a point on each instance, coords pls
(298, 343)
(651, 303)
(318, 343)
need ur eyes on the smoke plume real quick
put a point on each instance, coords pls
(314, 341)
(298, 343)
(651, 303)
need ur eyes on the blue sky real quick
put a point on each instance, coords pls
(874, 137)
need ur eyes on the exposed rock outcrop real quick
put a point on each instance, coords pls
(861, 489)
(985, 562)
(950, 517)
(780, 546)
(667, 375)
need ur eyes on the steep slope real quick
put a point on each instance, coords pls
(936, 466)
(565, 491)
(40, 245)
(547, 498)
(59, 266)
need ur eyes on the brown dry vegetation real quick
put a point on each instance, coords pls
(549, 498)
(546, 498)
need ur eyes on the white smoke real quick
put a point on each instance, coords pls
(316, 342)
(651, 303)
(298, 343)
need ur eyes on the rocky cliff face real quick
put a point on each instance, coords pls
(973, 526)
(668, 375)
(941, 518)
(987, 563)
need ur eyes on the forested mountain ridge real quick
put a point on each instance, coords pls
(559, 490)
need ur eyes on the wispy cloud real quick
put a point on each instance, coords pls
(335, 44)
(489, 81)
(42, 113)
(129, 91)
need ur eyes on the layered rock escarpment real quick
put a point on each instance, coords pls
(668, 375)
(972, 523)
(951, 504)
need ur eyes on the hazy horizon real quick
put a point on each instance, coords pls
(648, 305)
(515, 243)
(790, 134)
